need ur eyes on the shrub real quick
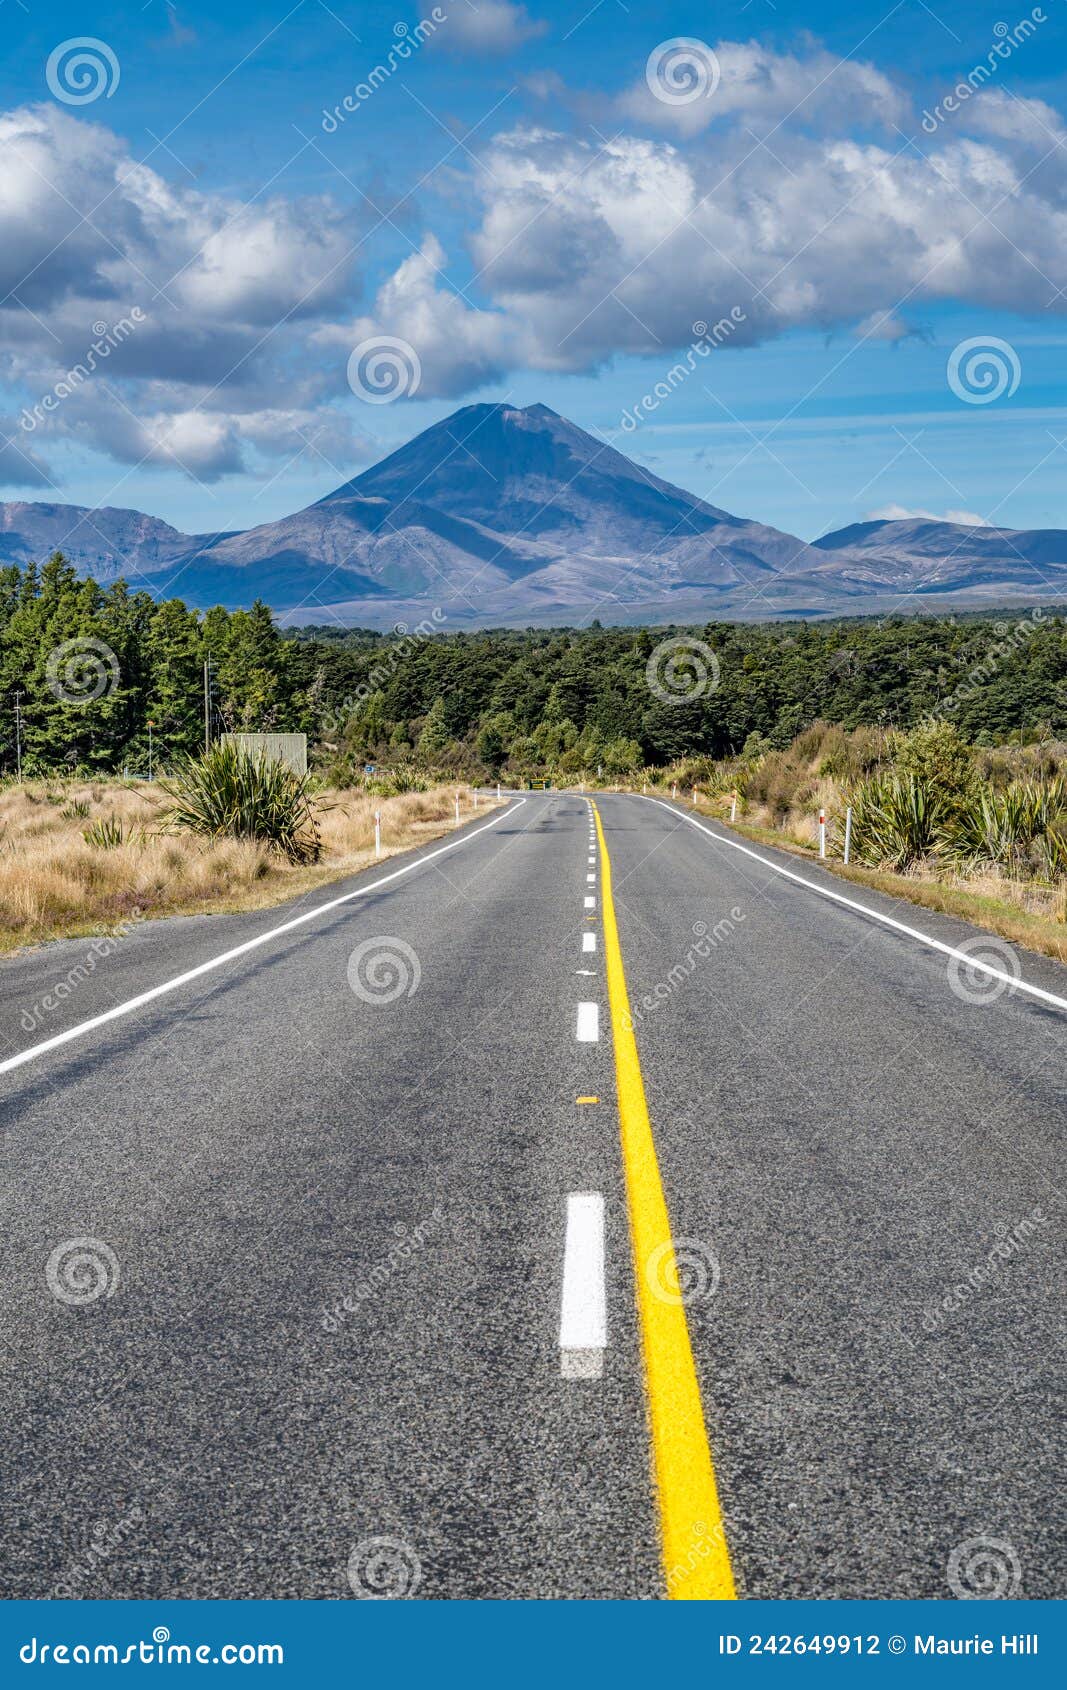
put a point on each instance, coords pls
(105, 834)
(896, 820)
(390, 783)
(229, 793)
(1005, 827)
(935, 755)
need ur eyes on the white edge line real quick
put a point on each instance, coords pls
(865, 909)
(238, 950)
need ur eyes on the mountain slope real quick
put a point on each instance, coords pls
(104, 543)
(506, 515)
(925, 556)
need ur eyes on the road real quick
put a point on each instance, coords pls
(321, 1279)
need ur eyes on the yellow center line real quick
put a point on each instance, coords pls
(696, 1560)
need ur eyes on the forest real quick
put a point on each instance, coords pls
(91, 672)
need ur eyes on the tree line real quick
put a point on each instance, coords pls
(85, 669)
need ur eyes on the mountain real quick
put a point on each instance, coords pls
(935, 558)
(101, 543)
(500, 515)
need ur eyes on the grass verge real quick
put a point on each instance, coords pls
(1021, 912)
(56, 883)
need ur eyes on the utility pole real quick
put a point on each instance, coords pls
(207, 705)
(18, 735)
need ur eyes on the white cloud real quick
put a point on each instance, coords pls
(221, 294)
(459, 347)
(901, 513)
(583, 251)
(743, 80)
(887, 326)
(488, 27)
(597, 250)
(998, 112)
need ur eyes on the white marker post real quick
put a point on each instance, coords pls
(498, 792)
(848, 833)
(822, 833)
(674, 790)
(457, 809)
(474, 797)
(733, 808)
(377, 833)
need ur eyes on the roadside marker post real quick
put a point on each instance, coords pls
(822, 833)
(848, 832)
(457, 807)
(377, 833)
(733, 808)
(498, 792)
(674, 790)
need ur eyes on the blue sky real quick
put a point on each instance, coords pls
(537, 203)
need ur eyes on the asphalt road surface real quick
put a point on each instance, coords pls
(322, 1282)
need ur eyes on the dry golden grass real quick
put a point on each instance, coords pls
(54, 883)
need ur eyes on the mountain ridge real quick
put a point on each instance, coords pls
(507, 515)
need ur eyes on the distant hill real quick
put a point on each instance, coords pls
(505, 516)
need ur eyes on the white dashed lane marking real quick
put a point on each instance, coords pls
(583, 1321)
(588, 1026)
(588, 941)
